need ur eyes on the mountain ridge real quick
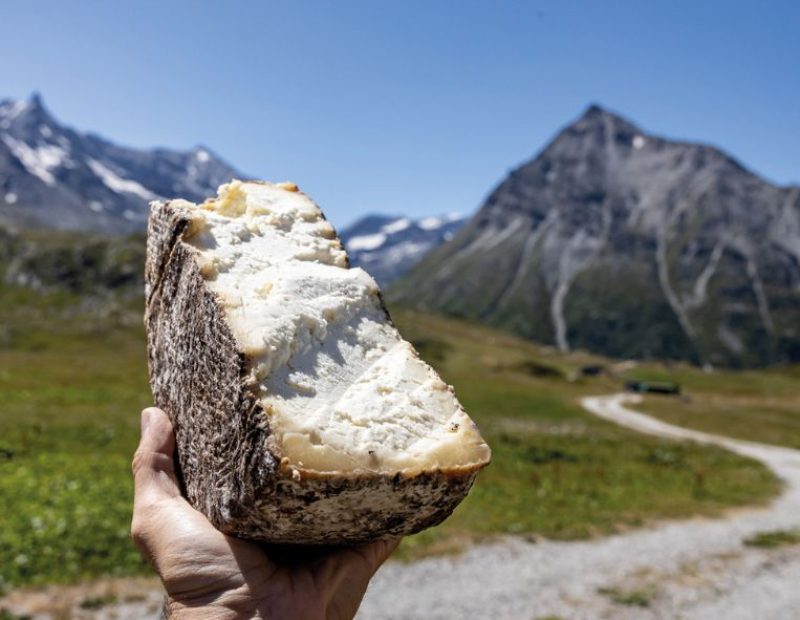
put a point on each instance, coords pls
(53, 176)
(672, 225)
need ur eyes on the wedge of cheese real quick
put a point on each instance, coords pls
(301, 414)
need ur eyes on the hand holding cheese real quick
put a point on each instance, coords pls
(301, 414)
(210, 576)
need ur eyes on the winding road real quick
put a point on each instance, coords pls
(694, 569)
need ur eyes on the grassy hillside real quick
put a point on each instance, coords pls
(73, 379)
(757, 406)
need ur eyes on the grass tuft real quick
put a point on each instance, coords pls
(638, 597)
(98, 602)
(773, 539)
(5, 614)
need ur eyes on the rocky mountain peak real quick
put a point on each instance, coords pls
(52, 176)
(629, 244)
(600, 128)
(35, 107)
(24, 113)
(595, 112)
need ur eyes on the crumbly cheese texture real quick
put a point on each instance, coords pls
(343, 390)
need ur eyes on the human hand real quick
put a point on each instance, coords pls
(208, 575)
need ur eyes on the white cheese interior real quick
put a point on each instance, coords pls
(344, 391)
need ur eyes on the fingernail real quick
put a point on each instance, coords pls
(145, 420)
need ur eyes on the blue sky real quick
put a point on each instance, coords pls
(408, 107)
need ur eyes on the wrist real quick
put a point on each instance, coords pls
(177, 611)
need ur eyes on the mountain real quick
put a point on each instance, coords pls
(628, 244)
(90, 265)
(389, 246)
(52, 176)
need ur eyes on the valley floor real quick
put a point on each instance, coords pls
(736, 567)
(700, 568)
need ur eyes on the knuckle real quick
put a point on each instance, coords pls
(144, 517)
(138, 531)
(150, 461)
(139, 461)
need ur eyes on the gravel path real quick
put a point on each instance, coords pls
(695, 569)
(688, 569)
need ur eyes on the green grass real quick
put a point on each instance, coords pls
(639, 597)
(774, 539)
(7, 615)
(69, 423)
(755, 406)
(71, 390)
(98, 602)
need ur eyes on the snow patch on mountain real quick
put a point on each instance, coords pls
(12, 109)
(432, 223)
(366, 242)
(118, 184)
(38, 161)
(396, 227)
(387, 246)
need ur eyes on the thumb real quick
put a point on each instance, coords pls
(162, 519)
(153, 465)
(378, 552)
(359, 564)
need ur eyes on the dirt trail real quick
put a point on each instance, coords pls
(687, 569)
(694, 569)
